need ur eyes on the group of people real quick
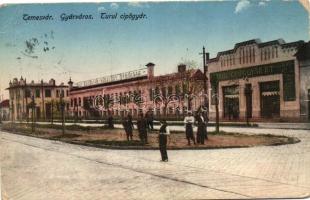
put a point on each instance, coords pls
(201, 120)
(145, 124)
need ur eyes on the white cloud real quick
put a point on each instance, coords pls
(134, 4)
(263, 3)
(242, 5)
(114, 5)
(101, 8)
(138, 4)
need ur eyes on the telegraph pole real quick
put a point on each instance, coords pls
(205, 71)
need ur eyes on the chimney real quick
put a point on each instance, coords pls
(150, 70)
(181, 68)
(52, 82)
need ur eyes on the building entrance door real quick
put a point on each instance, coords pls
(248, 96)
(270, 99)
(231, 102)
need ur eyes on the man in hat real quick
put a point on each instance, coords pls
(164, 135)
(201, 130)
(189, 120)
(142, 128)
(150, 119)
(128, 126)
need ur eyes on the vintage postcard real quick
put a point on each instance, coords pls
(155, 100)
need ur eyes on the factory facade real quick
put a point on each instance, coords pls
(138, 91)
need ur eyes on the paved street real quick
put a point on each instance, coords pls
(34, 168)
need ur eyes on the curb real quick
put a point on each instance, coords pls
(294, 141)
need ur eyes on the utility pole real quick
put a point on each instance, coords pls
(205, 71)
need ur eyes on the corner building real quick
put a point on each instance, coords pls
(46, 97)
(256, 80)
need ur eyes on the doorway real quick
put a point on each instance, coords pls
(231, 102)
(270, 99)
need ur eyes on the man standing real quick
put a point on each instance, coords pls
(205, 116)
(142, 128)
(150, 119)
(110, 121)
(189, 121)
(201, 130)
(130, 126)
(164, 134)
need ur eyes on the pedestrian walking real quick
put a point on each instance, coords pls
(142, 128)
(189, 120)
(163, 138)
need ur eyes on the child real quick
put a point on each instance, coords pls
(164, 133)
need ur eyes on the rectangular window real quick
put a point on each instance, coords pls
(57, 93)
(170, 90)
(163, 91)
(37, 93)
(48, 93)
(28, 93)
(151, 94)
(177, 90)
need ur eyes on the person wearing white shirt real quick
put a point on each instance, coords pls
(189, 120)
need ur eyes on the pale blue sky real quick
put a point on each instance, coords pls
(173, 32)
